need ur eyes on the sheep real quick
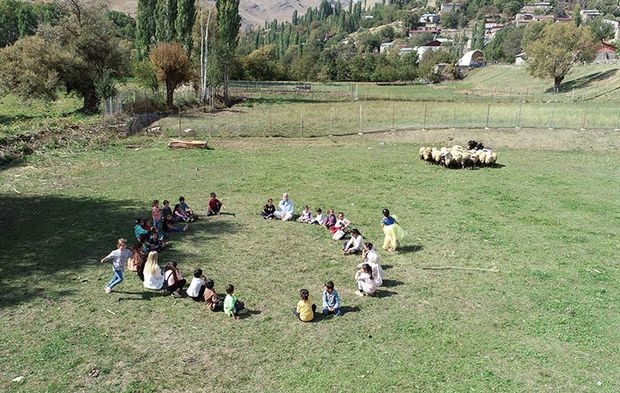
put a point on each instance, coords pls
(459, 157)
(421, 152)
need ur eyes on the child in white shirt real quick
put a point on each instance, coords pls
(306, 215)
(196, 288)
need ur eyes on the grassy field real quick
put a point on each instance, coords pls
(262, 117)
(547, 218)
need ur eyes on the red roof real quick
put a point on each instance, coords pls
(605, 47)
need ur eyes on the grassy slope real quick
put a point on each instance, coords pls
(547, 322)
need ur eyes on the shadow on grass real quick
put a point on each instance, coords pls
(391, 283)
(383, 293)
(247, 313)
(58, 241)
(586, 80)
(408, 249)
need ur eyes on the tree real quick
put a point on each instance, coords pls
(145, 27)
(172, 67)
(556, 49)
(71, 55)
(228, 22)
(186, 15)
(165, 18)
(601, 29)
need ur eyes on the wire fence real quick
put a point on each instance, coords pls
(314, 120)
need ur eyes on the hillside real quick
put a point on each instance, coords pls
(254, 12)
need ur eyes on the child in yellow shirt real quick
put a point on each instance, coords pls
(305, 309)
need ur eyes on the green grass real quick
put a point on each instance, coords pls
(547, 218)
(19, 117)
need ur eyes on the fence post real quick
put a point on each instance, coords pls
(393, 115)
(454, 116)
(486, 127)
(360, 118)
(552, 117)
(302, 122)
(424, 121)
(270, 122)
(585, 113)
(519, 115)
(179, 112)
(618, 123)
(331, 121)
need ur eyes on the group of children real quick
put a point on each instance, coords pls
(151, 241)
(369, 275)
(171, 280)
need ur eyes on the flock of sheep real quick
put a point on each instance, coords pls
(458, 157)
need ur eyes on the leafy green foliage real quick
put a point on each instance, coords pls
(71, 55)
(228, 23)
(145, 27)
(20, 18)
(553, 48)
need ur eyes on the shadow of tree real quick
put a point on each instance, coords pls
(60, 240)
(586, 80)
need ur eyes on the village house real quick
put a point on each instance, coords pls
(537, 8)
(447, 8)
(588, 15)
(432, 19)
(606, 53)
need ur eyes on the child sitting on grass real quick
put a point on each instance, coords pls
(232, 306)
(331, 300)
(319, 219)
(306, 215)
(187, 210)
(139, 230)
(179, 214)
(304, 310)
(196, 289)
(366, 284)
(212, 300)
(173, 279)
(268, 210)
(214, 206)
(168, 225)
(330, 220)
(355, 244)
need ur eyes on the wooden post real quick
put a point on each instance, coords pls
(486, 127)
(454, 116)
(585, 113)
(270, 122)
(552, 117)
(425, 111)
(302, 122)
(519, 115)
(361, 117)
(393, 115)
(331, 121)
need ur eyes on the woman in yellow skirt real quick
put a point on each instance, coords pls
(392, 231)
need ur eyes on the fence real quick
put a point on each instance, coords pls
(347, 118)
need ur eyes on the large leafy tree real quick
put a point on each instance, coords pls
(228, 22)
(553, 48)
(72, 56)
(172, 67)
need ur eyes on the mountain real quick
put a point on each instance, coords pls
(254, 12)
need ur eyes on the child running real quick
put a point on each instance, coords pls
(304, 310)
(232, 305)
(331, 300)
(119, 261)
